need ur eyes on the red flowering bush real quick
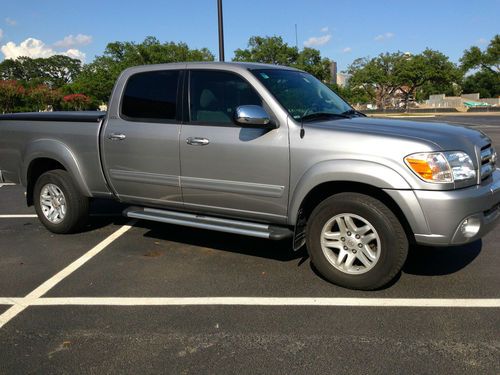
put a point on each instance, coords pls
(76, 102)
(11, 92)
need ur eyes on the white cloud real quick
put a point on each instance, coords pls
(35, 48)
(317, 40)
(324, 29)
(10, 21)
(347, 50)
(384, 36)
(482, 41)
(73, 41)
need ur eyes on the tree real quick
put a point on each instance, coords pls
(273, 50)
(489, 59)
(268, 50)
(55, 71)
(98, 78)
(11, 95)
(430, 67)
(486, 80)
(376, 77)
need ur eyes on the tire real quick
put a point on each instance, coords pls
(356, 241)
(69, 206)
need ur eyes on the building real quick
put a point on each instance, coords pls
(342, 79)
(333, 72)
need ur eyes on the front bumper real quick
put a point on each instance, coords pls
(445, 211)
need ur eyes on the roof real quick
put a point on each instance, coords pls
(210, 64)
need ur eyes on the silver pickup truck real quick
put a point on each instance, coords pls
(263, 151)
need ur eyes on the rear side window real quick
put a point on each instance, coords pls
(215, 95)
(151, 96)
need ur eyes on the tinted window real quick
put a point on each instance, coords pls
(151, 95)
(216, 95)
(300, 93)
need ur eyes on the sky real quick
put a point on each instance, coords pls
(342, 30)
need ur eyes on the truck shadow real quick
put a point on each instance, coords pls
(276, 250)
(439, 261)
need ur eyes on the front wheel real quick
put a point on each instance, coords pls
(58, 203)
(356, 241)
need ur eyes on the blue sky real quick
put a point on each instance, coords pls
(341, 29)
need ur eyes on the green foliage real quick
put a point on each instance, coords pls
(375, 78)
(273, 50)
(98, 78)
(42, 96)
(398, 76)
(430, 68)
(54, 72)
(489, 59)
(486, 80)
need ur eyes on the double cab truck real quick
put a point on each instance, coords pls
(264, 151)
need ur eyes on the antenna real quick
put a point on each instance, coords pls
(296, 39)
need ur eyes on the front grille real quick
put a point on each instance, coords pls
(487, 161)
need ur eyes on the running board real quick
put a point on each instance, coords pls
(245, 228)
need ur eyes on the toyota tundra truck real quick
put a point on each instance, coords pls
(264, 151)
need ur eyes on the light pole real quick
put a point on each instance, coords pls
(221, 31)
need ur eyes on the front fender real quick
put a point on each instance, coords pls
(58, 151)
(365, 172)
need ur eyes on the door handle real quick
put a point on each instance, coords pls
(194, 141)
(117, 137)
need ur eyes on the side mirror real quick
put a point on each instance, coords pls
(251, 115)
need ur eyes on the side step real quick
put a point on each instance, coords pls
(245, 228)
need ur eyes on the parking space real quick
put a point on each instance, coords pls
(111, 299)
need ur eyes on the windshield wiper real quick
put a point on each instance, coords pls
(323, 115)
(354, 112)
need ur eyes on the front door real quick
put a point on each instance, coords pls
(227, 169)
(141, 144)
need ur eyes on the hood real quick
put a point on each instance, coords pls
(444, 136)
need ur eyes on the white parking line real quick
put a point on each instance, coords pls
(253, 301)
(17, 216)
(31, 216)
(6, 184)
(54, 280)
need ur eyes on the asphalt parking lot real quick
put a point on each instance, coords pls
(113, 300)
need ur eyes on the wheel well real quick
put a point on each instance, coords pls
(327, 189)
(36, 169)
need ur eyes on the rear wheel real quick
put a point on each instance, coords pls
(58, 203)
(356, 241)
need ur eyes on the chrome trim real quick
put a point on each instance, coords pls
(486, 154)
(238, 187)
(144, 177)
(251, 115)
(487, 162)
(195, 141)
(2, 180)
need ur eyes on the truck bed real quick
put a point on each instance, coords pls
(27, 136)
(82, 116)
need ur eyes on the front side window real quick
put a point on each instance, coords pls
(214, 96)
(301, 93)
(151, 96)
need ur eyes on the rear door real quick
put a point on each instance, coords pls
(228, 169)
(141, 140)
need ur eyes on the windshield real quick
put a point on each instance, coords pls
(302, 94)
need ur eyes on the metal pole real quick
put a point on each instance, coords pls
(221, 31)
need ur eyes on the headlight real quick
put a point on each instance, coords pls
(442, 167)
